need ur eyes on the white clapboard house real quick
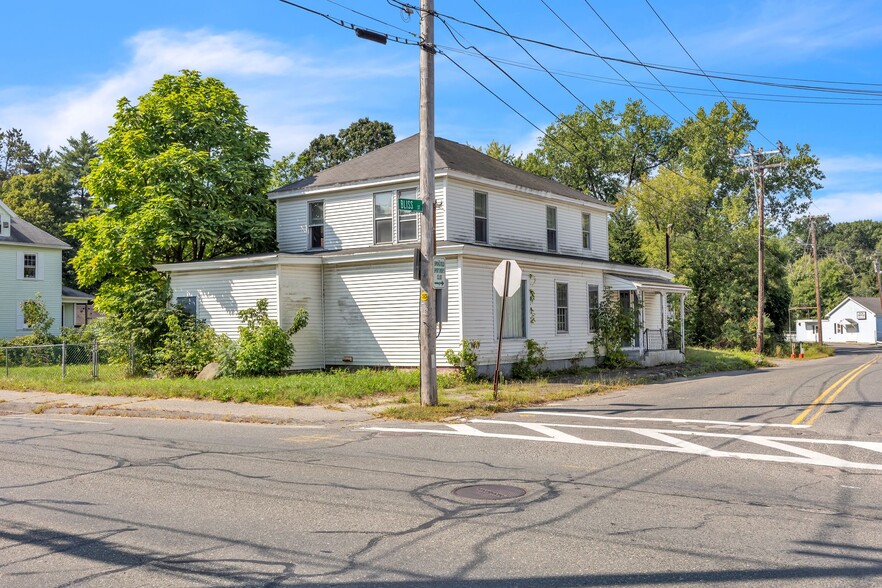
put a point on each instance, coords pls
(30, 264)
(346, 255)
(854, 320)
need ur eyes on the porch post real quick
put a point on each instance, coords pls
(683, 324)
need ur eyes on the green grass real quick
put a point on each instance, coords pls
(297, 389)
(815, 351)
(396, 388)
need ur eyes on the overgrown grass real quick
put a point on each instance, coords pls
(815, 351)
(298, 389)
(700, 360)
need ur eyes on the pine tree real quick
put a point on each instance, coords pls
(625, 242)
(75, 159)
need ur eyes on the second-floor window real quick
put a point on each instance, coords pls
(316, 225)
(480, 217)
(407, 221)
(586, 230)
(29, 267)
(383, 217)
(551, 227)
(563, 307)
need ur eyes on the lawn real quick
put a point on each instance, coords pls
(398, 389)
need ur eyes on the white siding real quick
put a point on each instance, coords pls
(221, 294)
(301, 287)
(372, 314)
(349, 218)
(479, 313)
(13, 290)
(652, 310)
(517, 220)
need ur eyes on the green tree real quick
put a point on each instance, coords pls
(181, 177)
(362, 136)
(40, 198)
(625, 241)
(16, 154)
(75, 160)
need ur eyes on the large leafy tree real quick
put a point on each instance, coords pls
(362, 136)
(75, 159)
(40, 198)
(181, 177)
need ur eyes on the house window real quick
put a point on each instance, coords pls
(29, 267)
(383, 217)
(187, 304)
(593, 307)
(407, 221)
(861, 315)
(316, 225)
(515, 326)
(563, 307)
(551, 227)
(586, 230)
(480, 217)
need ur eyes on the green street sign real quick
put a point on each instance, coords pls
(410, 204)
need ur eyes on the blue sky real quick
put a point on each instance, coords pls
(66, 64)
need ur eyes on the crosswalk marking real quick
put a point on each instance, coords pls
(583, 415)
(669, 440)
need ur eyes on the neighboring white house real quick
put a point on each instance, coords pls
(346, 256)
(854, 320)
(30, 263)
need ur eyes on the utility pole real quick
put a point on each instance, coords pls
(758, 166)
(817, 282)
(877, 266)
(668, 247)
(428, 376)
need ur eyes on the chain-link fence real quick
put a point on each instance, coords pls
(80, 361)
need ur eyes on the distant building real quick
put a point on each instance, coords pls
(346, 239)
(854, 320)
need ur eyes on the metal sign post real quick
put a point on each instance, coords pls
(506, 281)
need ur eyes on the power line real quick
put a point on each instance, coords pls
(368, 16)
(686, 51)
(679, 70)
(348, 25)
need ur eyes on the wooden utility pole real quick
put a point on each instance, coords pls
(817, 283)
(877, 266)
(428, 376)
(757, 165)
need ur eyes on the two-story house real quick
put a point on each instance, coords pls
(30, 263)
(346, 255)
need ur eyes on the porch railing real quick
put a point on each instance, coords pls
(661, 340)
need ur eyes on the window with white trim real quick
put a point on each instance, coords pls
(383, 217)
(29, 266)
(515, 325)
(316, 225)
(586, 230)
(593, 307)
(187, 304)
(407, 220)
(551, 227)
(562, 291)
(481, 232)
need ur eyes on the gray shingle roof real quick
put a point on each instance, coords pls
(24, 232)
(68, 292)
(402, 158)
(870, 302)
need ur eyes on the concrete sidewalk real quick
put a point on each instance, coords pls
(14, 402)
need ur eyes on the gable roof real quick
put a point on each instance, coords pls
(871, 303)
(402, 158)
(24, 233)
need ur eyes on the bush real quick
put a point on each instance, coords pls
(466, 359)
(264, 348)
(615, 327)
(527, 365)
(187, 347)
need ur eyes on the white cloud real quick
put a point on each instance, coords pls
(851, 164)
(291, 93)
(851, 206)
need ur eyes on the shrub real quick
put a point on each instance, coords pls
(527, 365)
(37, 319)
(188, 346)
(466, 359)
(616, 325)
(264, 348)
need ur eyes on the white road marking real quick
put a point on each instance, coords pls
(583, 415)
(672, 443)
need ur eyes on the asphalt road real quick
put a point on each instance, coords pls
(716, 481)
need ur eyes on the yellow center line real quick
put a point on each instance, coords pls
(833, 396)
(824, 394)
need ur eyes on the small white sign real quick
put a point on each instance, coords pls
(439, 273)
(514, 277)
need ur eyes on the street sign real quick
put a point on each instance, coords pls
(410, 204)
(439, 273)
(514, 278)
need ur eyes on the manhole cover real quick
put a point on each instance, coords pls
(489, 492)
